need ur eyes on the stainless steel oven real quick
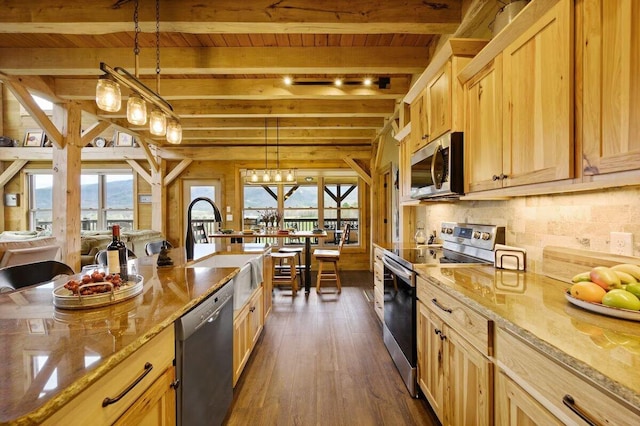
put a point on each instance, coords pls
(399, 327)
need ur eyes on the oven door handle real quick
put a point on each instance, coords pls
(398, 270)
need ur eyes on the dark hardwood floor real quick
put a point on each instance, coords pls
(321, 361)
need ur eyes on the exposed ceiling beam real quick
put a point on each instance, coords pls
(232, 16)
(248, 88)
(218, 60)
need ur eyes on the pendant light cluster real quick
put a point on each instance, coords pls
(271, 176)
(162, 120)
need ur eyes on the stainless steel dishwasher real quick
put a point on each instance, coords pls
(204, 360)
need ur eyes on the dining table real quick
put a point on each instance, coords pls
(306, 235)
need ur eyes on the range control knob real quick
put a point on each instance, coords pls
(486, 236)
(476, 235)
(449, 230)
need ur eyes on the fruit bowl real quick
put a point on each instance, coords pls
(602, 309)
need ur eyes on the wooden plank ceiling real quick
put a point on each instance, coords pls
(222, 62)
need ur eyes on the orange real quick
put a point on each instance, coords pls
(588, 291)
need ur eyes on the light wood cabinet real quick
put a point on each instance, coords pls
(559, 390)
(247, 326)
(483, 131)
(515, 407)
(378, 283)
(454, 374)
(609, 107)
(538, 101)
(267, 270)
(151, 401)
(419, 122)
(439, 100)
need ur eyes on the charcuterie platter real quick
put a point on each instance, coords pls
(85, 291)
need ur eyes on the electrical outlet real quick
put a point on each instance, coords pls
(622, 243)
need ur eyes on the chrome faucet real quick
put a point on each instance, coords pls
(189, 241)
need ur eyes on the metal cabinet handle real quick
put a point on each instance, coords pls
(147, 369)
(495, 177)
(571, 403)
(435, 302)
(175, 384)
(503, 176)
(251, 309)
(439, 333)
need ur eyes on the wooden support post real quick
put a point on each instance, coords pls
(66, 189)
(159, 198)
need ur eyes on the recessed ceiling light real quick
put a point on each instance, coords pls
(338, 82)
(287, 80)
(367, 81)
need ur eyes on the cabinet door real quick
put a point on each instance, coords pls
(515, 407)
(419, 124)
(483, 132)
(538, 101)
(266, 286)
(156, 407)
(611, 89)
(439, 103)
(469, 383)
(240, 347)
(431, 358)
(256, 318)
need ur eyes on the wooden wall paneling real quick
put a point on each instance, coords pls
(67, 168)
(159, 198)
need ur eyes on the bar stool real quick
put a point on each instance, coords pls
(290, 279)
(300, 268)
(330, 258)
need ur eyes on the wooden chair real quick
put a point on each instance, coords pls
(289, 279)
(199, 233)
(155, 247)
(330, 258)
(300, 266)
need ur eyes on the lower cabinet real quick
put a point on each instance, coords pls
(555, 394)
(378, 283)
(455, 376)
(150, 401)
(247, 326)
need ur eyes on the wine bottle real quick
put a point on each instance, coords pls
(117, 254)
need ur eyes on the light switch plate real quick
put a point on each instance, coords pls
(229, 217)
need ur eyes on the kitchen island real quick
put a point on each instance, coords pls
(52, 355)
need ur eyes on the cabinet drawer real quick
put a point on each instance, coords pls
(378, 274)
(477, 329)
(86, 408)
(553, 382)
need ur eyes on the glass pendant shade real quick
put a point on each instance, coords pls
(136, 110)
(278, 176)
(254, 176)
(266, 177)
(108, 97)
(174, 132)
(291, 176)
(157, 123)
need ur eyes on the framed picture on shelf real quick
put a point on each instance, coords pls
(123, 139)
(33, 137)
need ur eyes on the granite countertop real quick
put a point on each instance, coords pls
(50, 355)
(603, 349)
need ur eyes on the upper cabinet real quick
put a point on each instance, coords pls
(483, 128)
(519, 110)
(610, 106)
(538, 101)
(436, 98)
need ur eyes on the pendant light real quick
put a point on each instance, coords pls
(174, 131)
(136, 106)
(108, 97)
(157, 119)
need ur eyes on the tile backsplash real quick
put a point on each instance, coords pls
(578, 220)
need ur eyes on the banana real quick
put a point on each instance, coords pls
(625, 278)
(583, 276)
(629, 268)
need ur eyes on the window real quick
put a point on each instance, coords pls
(327, 202)
(105, 199)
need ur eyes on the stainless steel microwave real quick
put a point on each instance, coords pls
(437, 169)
